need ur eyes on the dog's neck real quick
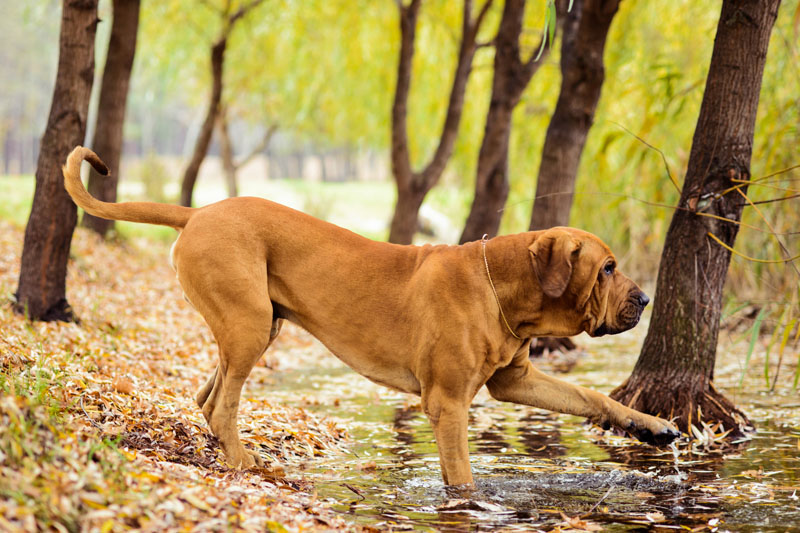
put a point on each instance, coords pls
(494, 290)
(515, 283)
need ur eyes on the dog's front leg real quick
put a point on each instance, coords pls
(449, 418)
(522, 383)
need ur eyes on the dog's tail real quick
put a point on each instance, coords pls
(146, 212)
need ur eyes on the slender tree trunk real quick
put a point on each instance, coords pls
(207, 129)
(582, 75)
(413, 186)
(229, 165)
(226, 153)
(403, 225)
(406, 214)
(42, 282)
(674, 373)
(511, 77)
(491, 183)
(111, 110)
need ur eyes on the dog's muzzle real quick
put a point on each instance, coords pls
(628, 316)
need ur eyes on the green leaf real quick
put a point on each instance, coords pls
(753, 338)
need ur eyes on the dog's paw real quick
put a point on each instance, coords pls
(244, 459)
(257, 460)
(661, 437)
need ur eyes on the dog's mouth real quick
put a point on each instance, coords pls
(628, 318)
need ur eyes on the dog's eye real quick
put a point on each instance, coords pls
(609, 269)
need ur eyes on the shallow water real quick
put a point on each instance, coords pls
(535, 470)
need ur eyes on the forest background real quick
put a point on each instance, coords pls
(309, 110)
(322, 75)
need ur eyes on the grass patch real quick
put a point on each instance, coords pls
(17, 195)
(48, 476)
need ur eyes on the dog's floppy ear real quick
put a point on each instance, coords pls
(552, 254)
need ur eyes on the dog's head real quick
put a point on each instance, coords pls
(582, 288)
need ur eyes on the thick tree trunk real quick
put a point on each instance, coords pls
(42, 282)
(207, 129)
(511, 76)
(582, 75)
(415, 185)
(111, 110)
(674, 373)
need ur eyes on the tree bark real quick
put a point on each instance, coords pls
(111, 110)
(674, 373)
(207, 129)
(413, 186)
(41, 293)
(511, 77)
(582, 76)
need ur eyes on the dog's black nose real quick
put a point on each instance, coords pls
(643, 299)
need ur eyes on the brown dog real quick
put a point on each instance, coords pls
(436, 321)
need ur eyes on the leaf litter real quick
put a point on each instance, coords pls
(100, 432)
(98, 426)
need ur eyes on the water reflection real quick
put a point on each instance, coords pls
(404, 431)
(531, 466)
(540, 437)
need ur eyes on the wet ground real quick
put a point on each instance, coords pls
(535, 470)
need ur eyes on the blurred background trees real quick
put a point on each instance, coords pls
(513, 69)
(412, 186)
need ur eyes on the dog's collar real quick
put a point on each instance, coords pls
(494, 291)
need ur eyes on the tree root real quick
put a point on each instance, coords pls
(60, 311)
(685, 404)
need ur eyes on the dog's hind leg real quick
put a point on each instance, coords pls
(241, 343)
(233, 298)
(206, 390)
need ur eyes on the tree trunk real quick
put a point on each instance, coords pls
(673, 376)
(406, 214)
(207, 129)
(491, 182)
(229, 165)
(511, 77)
(111, 110)
(226, 153)
(582, 75)
(413, 186)
(42, 282)
(403, 226)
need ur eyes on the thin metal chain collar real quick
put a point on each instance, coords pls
(491, 284)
